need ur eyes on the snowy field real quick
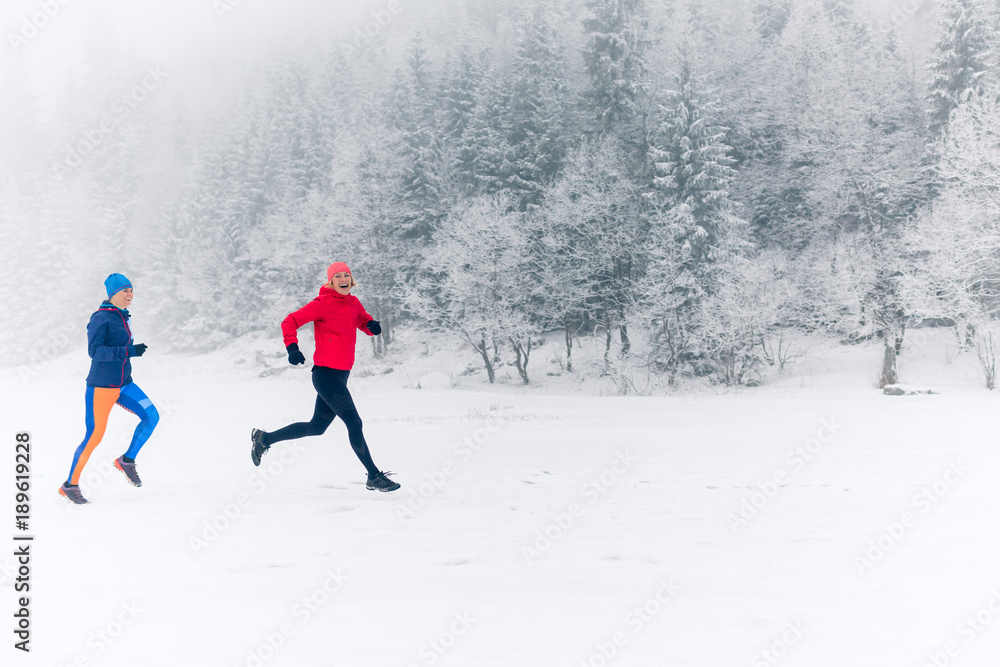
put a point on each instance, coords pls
(812, 521)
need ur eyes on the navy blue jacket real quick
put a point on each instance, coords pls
(109, 342)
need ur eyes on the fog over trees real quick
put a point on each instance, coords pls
(709, 178)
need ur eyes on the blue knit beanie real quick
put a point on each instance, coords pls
(115, 283)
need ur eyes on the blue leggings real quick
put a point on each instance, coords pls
(99, 401)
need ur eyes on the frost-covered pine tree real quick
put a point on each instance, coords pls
(962, 59)
(614, 59)
(691, 174)
(770, 17)
(518, 135)
(463, 81)
(364, 214)
(483, 149)
(538, 105)
(415, 111)
(463, 77)
(694, 228)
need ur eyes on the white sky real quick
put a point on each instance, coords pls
(187, 37)
(177, 34)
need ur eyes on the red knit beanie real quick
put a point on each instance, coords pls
(337, 267)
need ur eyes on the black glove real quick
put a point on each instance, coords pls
(137, 350)
(374, 327)
(294, 356)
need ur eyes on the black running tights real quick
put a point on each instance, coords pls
(332, 400)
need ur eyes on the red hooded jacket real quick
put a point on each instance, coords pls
(336, 318)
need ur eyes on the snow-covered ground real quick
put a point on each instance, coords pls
(812, 521)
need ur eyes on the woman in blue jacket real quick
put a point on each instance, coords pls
(109, 342)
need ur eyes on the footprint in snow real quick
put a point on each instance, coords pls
(452, 563)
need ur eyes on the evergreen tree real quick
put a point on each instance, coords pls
(367, 210)
(462, 80)
(962, 59)
(770, 17)
(486, 142)
(540, 115)
(695, 231)
(614, 60)
(520, 130)
(415, 106)
(692, 170)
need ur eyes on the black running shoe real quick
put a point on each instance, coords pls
(380, 482)
(71, 492)
(258, 448)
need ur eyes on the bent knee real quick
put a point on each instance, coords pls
(319, 426)
(152, 417)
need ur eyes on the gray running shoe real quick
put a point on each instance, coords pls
(257, 448)
(129, 469)
(71, 492)
(381, 482)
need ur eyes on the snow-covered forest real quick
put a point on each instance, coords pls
(693, 183)
(638, 264)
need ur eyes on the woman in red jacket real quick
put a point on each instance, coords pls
(337, 317)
